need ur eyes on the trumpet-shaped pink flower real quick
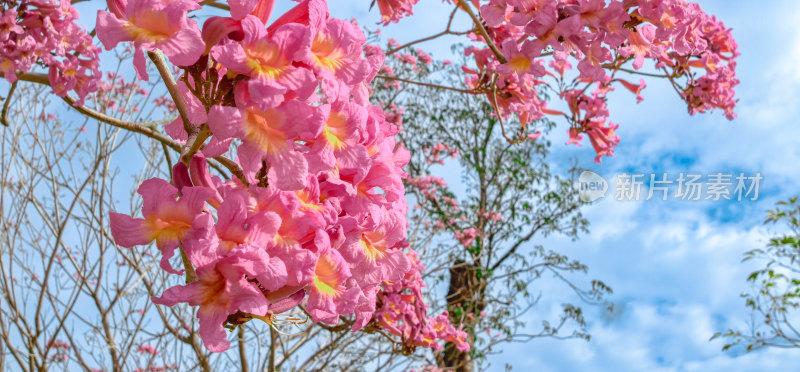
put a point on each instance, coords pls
(299, 238)
(393, 10)
(373, 248)
(311, 13)
(494, 13)
(635, 88)
(331, 293)
(151, 25)
(522, 60)
(268, 61)
(167, 218)
(217, 29)
(8, 24)
(235, 226)
(260, 8)
(338, 143)
(222, 287)
(270, 135)
(335, 52)
(381, 186)
(640, 45)
(602, 138)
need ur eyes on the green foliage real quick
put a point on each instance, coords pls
(776, 295)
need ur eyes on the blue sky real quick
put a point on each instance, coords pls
(675, 265)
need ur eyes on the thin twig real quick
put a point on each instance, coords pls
(243, 350)
(429, 85)
(4, 116)
(273, 338)
(172, 88)
(215, 4)
(482, 31)
(445, 32)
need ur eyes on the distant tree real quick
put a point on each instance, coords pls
(483, 245)
(775, 300)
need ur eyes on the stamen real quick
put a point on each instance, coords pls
(276, 320)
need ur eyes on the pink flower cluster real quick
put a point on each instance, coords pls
(317, 216)
(601, 36)
(591, 114)
(115, 89)
(61, 349)
(434, 153)
(402, 312)
(427, 185)
(151, 25)
(147, 349)
(45, 32)
(467, 236)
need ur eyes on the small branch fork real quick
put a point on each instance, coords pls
(446, 31)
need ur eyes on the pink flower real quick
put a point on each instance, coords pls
(267, 60)
(382, 185)
(393, 10)
(494, 13)
(147, 349)
(635, 88)
(522, 61)
(270, 135)
(466, 236)
(373, 248)
(261, 8)
(338, 143)
(594, 55)
(73, 74)
(336, 52)
(331, 293)
(299, 238)
(217, 29)
(151, 25)
(8, 24)
(221, 288)
(602, 138)
(640, 44)
(311, 13)
(236, 227)
(166, 220)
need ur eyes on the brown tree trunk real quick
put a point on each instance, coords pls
(464, 296)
